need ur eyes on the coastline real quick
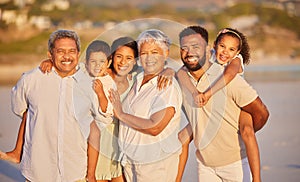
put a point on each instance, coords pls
(9, 74)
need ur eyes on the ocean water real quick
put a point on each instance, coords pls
(279, 140)
(272, 73)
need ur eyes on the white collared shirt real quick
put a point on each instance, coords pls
(108, 83)
(143, 148)
(60, 111)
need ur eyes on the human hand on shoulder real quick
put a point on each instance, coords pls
(46, 65)
(165, 78)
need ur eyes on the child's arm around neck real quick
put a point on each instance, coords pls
(230, 71)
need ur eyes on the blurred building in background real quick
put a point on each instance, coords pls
(19, 16)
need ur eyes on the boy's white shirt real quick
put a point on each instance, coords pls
(108, 83)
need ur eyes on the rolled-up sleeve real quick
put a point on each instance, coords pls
(18, 98)
(243, 94)
(108, 83)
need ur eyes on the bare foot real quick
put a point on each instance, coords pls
(10, 156)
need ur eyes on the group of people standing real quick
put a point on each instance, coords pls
(110, 120)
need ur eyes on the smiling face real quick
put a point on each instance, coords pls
(227, 48)
(123, 60)
(152, 57)
(65, 56)
(193, 51)
(97, 64)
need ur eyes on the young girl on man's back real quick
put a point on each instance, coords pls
(231, 50)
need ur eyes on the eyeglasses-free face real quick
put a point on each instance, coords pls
(152, 57)
(65, 56)
(97, 64)
(123, 60)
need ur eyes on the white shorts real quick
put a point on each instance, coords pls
(235, 172)
(161, 171)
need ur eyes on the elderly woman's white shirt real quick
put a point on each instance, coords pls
(138, 147)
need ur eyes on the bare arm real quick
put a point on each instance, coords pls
(93, 151)
(185, 136)
(152, 126)
(21, 135)
(258, 112)
(230, 72)
(185, 81)
(248, 136)
(16, 154)
(103, 101)
(182, 160)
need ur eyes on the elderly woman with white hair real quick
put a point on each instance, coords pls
(150, 117)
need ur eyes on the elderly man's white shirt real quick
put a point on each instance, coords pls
(60, 111)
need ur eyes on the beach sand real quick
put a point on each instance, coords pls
(279, 140)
